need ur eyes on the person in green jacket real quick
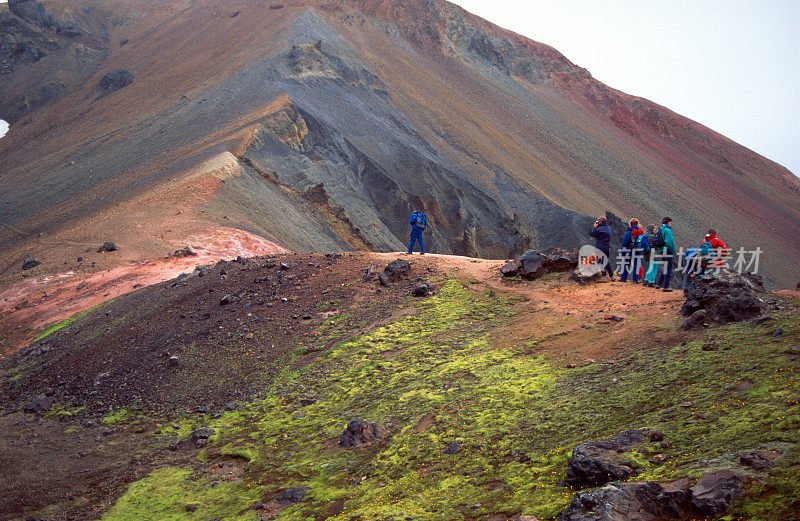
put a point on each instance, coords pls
(667, 253)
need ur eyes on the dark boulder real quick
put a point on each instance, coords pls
(726, 297)
(29, 263)
(586, 274)
(360, 432)
(293, 495)
(115, 80)
(423, 289)
(107, 247)
(595, 463)
(560, 260)
(31, 11)
(368, 274)
(510, 268)
(396, 270)
(695, 321)
(202, 433)
(39, 404)
(715, 491)
(532, 265)
(186, 251)
(759, 460)
(616, 501)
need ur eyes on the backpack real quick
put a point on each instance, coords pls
(658, 240)
(420, 220)
(642, 244)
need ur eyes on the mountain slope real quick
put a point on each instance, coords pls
(349, 115)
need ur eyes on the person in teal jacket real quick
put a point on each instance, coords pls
(668, 251)
(652, 269)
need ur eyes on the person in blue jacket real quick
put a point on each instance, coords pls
(418, 222)
(602, 241)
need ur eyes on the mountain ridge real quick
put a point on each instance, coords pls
(420, 91)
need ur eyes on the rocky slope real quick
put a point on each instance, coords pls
(298, 386)
(341, 117)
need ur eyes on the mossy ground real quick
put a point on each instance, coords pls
(440, 376)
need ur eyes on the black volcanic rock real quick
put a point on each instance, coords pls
(725, 296)
(115, 80)
(31, 11)
(597, 462)
(360, 432)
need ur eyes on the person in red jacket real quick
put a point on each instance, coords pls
(713, 250)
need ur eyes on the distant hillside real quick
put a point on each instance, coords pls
(334, 119)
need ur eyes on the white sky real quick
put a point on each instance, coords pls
(731, 65)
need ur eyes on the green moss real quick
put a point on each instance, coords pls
(440, 376)
(165, 494)
(120, 416)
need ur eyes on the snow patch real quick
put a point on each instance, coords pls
(3, 123)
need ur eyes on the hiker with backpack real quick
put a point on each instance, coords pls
(629, 253)
(418, 222)
(713, 252)
(602, 241)
(652, 269)
(665, 243)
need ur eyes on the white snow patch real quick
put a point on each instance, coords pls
(3, 123)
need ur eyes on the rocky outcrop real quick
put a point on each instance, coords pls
(395, 271)
(712, 495)
(534, 264)
(715, 491)
(115, 80)
(360, 432)
(646, 501)
(725, 296)
(598, 462)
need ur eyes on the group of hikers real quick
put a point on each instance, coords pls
(657, 245)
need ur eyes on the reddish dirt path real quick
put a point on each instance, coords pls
(35, 302)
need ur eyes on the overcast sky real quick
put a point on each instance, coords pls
(731, 65)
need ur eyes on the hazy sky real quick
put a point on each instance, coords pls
(731, 65)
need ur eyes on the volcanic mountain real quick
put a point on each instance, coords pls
(319, 125)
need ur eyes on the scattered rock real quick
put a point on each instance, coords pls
(715, 491)
(225, 300)
(293, 495)
(586, 275)
(368, 274)
(360, 432)
(39, 404)
(778, 332)
(115, 80)
(644, 501)
(761, 320)
(454, 448)
(595, 463)
(186, 251)
(107, 247)
(173, 361)
(394, 271)
(200, 435)
(29, 263)
(727, 297)
(510, 268)
(423, 289)
(614, 318)
(284, 266)
(299, 415)
(759, 460)
(696, 320)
